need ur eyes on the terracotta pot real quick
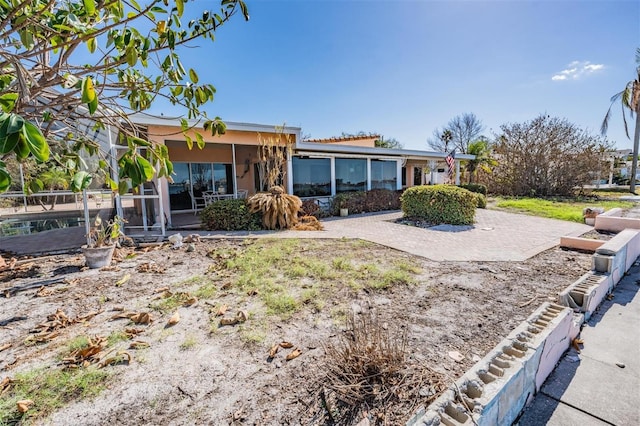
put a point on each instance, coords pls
(98, 257)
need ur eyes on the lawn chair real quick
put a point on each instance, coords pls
(196, 202)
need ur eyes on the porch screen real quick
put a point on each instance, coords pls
(351, 174)
(384, 174)
(311, 176)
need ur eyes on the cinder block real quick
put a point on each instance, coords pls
(556, 342)
(601, 263)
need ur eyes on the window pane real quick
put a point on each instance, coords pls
(351, 174)
(223, 177)
(311, 177)
(201, 177)
(179, 198)
(384, 174)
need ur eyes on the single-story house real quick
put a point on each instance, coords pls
(319, 168)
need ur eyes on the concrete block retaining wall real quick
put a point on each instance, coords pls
(497, 388)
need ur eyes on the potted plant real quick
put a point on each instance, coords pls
(342, 205)
(101, 242)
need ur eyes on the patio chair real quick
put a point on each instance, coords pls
(196, 202)
(242, 193)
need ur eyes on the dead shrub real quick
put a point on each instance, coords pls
(368, 374)
(279, 210)
(308, 223)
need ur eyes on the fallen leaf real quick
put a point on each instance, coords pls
(576, 343)
(175, 318)
(5, 346)
(226, 286)
(5, 385)
(228, 321)
(43, 292)
(139, 344)
(141, 318)
(123, 280)
(191, 301)
(274, 350)
(242, 316)
(24, 405)
(293, 354)
(610, 296)
(222, 310)
(162, 289)
(286, 345)
(132, 332)
(252, 292)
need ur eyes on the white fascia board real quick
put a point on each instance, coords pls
(143, 119)
(377, 152)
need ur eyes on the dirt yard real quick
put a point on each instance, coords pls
(106, 347)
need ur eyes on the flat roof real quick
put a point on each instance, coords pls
(389, 152)
(152, 120)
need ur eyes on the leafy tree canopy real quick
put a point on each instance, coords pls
(72, 67)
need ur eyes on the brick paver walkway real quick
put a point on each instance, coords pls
(496, 236)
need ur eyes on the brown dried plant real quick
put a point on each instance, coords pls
(368, 372)
(279, 210)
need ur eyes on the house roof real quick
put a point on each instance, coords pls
(343, 139)
(385, 152)
(146, 119)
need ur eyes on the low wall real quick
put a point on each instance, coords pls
(578, 243)
(498, 387)
(611, 221)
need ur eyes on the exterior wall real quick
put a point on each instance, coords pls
(363, 142)
(218, 149)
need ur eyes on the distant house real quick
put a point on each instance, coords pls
(318, 168)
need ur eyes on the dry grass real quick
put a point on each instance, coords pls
(368, 372)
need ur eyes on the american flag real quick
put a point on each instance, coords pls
(450, 160)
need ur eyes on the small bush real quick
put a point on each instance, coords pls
(481, 201)
(230, 215)
(440, 204)
(375, 200)
(475, 187)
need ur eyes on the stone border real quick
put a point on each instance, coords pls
(499, 386)
(611, 221)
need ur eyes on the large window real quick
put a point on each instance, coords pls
(311, 176)
(384, 174)
(351, 174)
(195, 178)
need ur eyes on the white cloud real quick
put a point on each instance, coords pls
(576, 70)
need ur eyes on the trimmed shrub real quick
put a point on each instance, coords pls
(230, 215)
(481, 200)
(440, 204)
(375, 200)
(475, 187)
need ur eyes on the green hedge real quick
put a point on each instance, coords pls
(481, 201)
(230, 215)
(475, 187)
(375, 200)
(440, 204)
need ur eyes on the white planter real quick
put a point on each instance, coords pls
(344, 212)
(590, 221)
(98, 257)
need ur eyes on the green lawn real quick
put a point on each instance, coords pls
(570, 210)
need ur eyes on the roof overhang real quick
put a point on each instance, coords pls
(378, 152)
(148, 120)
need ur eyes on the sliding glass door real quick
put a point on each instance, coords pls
(192, 179)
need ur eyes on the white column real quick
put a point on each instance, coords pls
(233, 170)
(289, 173)
(457, 172)
(368, 174)
(433, 167)
(399, 174)
(332, 162)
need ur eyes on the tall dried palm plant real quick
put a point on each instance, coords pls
(279, 210)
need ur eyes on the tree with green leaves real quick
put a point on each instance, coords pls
(483, 161)
(629, 99)
(390, 143)
(70, 68)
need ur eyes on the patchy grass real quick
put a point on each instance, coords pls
(50, 389)
(570, 210)
(116, 337)
(190, 342)
(290, 274)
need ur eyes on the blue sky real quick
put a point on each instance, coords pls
(404, 68)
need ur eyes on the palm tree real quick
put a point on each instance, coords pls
(54, 178)
(629, 99)
(483, 160)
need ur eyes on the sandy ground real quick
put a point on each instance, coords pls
(197, 372)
